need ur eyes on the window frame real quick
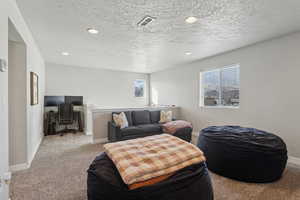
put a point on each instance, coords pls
(145, 86)
(201, 89)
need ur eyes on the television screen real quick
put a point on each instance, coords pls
(75, 100)
(53, 100)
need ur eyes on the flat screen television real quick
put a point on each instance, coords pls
(75, 100)
(53, 100)
(56, 100)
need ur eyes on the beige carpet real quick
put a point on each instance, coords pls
(59, 173)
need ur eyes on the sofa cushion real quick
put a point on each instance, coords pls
(128, 116)
(141, 117)
(150, 128)
(131, 130)
(142, 130)
(155, 116)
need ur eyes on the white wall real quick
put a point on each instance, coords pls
(3, 98)
(104, 88)
(17, 98)
(269, 96)
(35, 63)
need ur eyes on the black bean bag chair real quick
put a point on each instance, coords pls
(104, 183)
(244, 154)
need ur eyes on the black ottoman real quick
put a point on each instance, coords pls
(104, 183)
(244, 154)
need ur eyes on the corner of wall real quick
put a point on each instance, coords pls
(35, 150)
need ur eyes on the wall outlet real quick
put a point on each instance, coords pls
(3, 65)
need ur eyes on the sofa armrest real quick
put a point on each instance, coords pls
(113, 132)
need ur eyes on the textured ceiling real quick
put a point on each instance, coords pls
(223, 25)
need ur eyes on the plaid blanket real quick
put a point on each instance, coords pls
(145, 158)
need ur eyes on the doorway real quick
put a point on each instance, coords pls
(17, 100)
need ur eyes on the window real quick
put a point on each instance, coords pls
(220, 87)
(139, 88)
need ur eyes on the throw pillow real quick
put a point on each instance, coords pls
(120, 120)
(165, 116)
(173, 126)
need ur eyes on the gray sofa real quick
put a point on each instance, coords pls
(142, 123)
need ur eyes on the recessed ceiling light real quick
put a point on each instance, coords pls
(188, 53)
(191, 20)
(92, 31)
(65, 53)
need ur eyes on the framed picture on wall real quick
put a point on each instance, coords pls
(34, 88)
(139, 88)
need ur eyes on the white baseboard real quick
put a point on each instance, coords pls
(18, 167)
(88, 133)
(34, 152)
(23, 166)
(294, 161)
(100, 140)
